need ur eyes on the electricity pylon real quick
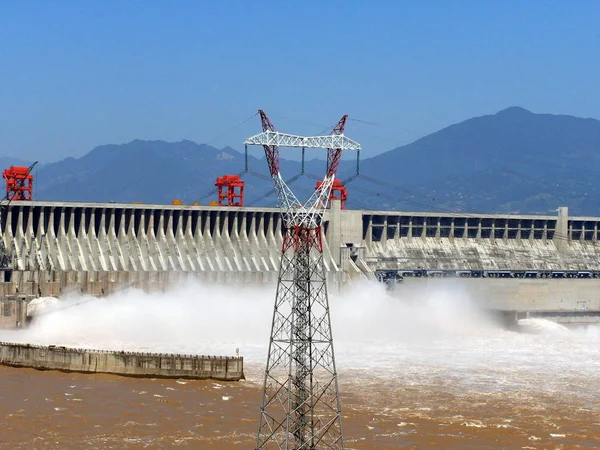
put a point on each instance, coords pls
(300, 405)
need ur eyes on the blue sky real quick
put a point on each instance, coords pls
(77, 74)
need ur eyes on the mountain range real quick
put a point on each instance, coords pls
(512, 161)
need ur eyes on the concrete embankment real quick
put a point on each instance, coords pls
(135, 364)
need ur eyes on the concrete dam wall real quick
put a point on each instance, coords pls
(110, 237)
(483, 242)
(50, 242)
(135, 364)
(100, 248)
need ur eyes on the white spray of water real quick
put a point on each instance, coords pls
(42, 305)
(428, 331)
(192, 318)
(195, 314)
(365, 313)
(537, 325)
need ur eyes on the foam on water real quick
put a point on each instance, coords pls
(428, 334)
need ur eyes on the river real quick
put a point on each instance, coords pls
(430, 371)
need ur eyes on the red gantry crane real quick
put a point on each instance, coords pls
(19, 182)
(338, 192)
(231, 190)
(19, 186)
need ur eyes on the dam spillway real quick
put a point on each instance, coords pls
(98, 248)
(110, 237)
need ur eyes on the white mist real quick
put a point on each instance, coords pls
(429, 333)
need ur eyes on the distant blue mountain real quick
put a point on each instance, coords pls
(144, 171)
(512, 161)
(7, 161)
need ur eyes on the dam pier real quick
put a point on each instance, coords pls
(134, 364)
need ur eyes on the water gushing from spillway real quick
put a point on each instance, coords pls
(430, 334)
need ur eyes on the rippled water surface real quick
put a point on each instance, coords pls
(428, 371)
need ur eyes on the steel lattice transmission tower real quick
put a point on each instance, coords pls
(300, 405)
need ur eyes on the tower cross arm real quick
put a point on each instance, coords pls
(290, 140)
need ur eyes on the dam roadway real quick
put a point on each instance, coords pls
(514, 262)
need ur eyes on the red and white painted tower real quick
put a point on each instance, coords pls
(300, 407)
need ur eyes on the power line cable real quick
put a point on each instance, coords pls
(463, 209)
(559, 236)
(273, 191)
(362, 121)
(393, 186)
(232, 128)
(460, 208)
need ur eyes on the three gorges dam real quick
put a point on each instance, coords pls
(545, 265)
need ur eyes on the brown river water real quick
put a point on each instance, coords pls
(430, 374)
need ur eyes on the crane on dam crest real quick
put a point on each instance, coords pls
(19, 186)
(300, 406)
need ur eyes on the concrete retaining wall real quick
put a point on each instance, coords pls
(122, 363)
(509, 294)
(13, 311)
